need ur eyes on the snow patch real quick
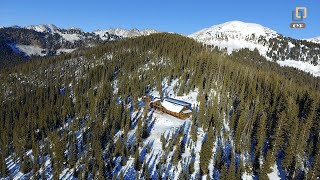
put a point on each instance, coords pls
(246, 176)
(28, 50)
(70, 37)
(60, 51)
(274, 175)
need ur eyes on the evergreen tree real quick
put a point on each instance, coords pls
(176, 155)
(138, 131)
(137, 163)
(2, 166)
(206, 152)
(121, 175)
(232, 170)
(224, 172)
(202, 110)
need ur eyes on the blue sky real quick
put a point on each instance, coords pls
(178, 16)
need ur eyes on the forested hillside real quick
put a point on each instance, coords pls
(82, 115)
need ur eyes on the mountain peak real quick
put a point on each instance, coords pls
(236, 27)
(43, 28)
(235, 35)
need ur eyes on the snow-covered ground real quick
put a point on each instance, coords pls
(304, 66)
(164, 124)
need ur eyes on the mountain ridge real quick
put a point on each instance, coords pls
(229, 36)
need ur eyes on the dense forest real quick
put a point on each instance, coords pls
(254, 113)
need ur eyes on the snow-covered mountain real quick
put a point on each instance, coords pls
(124, 33)
(235, 35)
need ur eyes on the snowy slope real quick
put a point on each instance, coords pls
(303, 66)
(235, 35)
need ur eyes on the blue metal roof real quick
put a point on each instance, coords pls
(176, 101)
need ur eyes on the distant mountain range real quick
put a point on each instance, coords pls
(43, 40)
(48, 40)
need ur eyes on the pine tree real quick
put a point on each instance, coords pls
(223, 172)
(73, 152)
(261, 135)
(191, 167)
(138, 131)
(202, 110)
(314, 171)
(2, 166)
(121, 175)
(232, 171)
(290, 151)
(159, 85)
(176, 155)
(35, 151)
(206, 152)
(163, 141)
(266, 166)
(137, 163)
(146, 172)
(58, 151)
(145, 133)
(279, 134)
(118, 147)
